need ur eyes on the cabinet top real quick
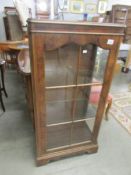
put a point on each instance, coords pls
(83, 23)
(75, 27)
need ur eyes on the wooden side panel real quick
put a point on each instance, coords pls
(14, 27)
(112, 58)
(37, 69)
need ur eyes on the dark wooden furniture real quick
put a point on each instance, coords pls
(24, 69)
(2, 83)
(13, 27)
(122, 14)
(63, 57)
(11, 49)
(12, 10)
(8, 49)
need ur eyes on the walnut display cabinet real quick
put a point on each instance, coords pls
(65, 57)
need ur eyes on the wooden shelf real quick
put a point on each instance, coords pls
(60, 112)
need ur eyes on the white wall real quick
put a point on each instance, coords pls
(4, 3)
(112, 2)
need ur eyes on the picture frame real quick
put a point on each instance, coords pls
(102, 6)
(66, 5)
(42, 7)
(90, 8)
(76, 6)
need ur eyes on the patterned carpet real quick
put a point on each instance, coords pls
(121, 109)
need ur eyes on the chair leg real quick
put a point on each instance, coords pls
(1, 101)
(2, 79)
(5, 56)
(107, 109)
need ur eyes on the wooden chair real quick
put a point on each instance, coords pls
(4, 49)
(10, 52)
(95, 96)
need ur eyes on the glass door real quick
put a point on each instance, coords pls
(73, 78)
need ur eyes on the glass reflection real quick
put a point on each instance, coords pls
(73, 77)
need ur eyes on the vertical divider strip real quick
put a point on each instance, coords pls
(75, 93)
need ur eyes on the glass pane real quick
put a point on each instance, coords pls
(59, 105)
(68, 134)
(68, 104)
(92, 64)
(80, 132)
(58, 136)
(61, 65)
(71, 111)
(100, 64)
(90, 123)
(73, 64)
(87, 100)
(86, 64)
(60, 94)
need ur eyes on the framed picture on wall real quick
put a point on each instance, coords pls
(102, 6)
(42, 7)
(66, 5)
(77, 6)
(90, 8)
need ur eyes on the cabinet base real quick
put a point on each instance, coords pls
(56, 155)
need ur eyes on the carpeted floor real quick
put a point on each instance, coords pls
(17, 142)
(121, 109)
